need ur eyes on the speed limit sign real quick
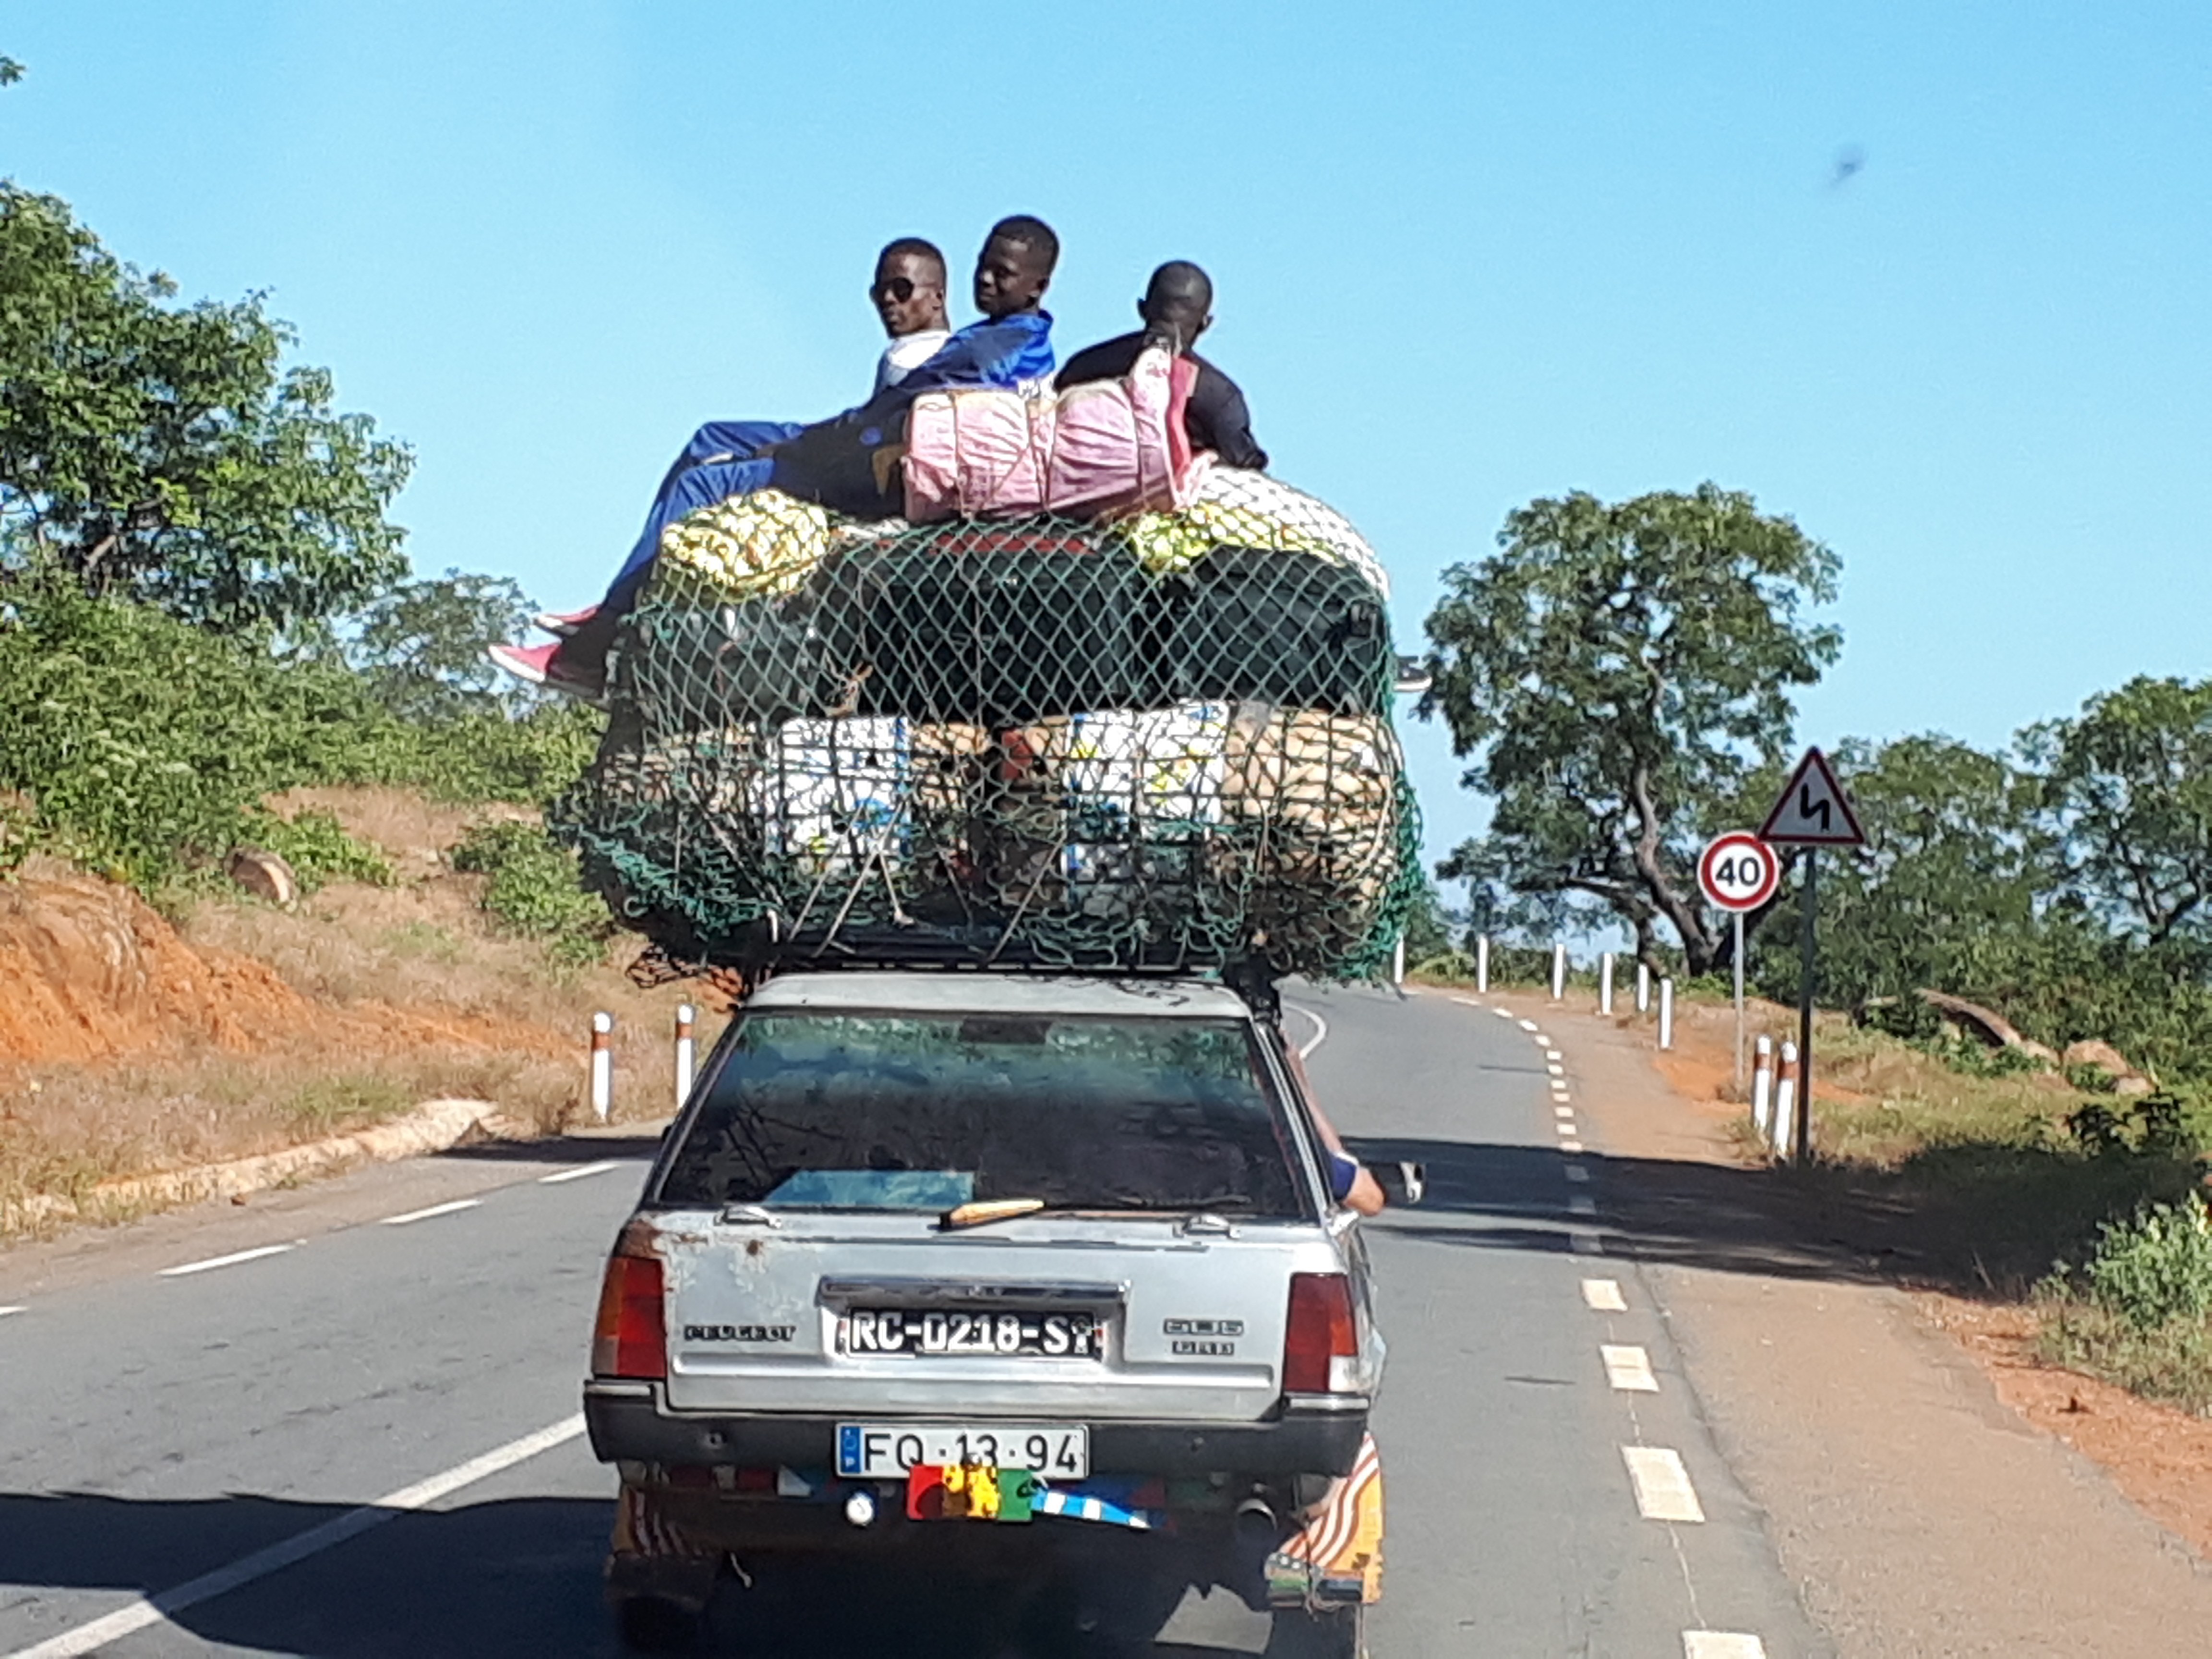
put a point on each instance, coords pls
(1739, 871)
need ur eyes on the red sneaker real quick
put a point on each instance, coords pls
(564, 623)
(542, 665)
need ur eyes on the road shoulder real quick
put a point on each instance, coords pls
(1917, 1509)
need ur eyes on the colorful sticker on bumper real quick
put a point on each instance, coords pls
(1337, 1558)
(970, 1491)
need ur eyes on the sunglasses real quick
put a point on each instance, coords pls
(897, 289)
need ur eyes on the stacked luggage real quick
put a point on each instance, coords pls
(1160, 741)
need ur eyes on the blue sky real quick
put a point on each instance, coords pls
(1467, 254)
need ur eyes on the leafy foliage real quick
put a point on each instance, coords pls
(2127, 794)
(162, 453)
(1619, 673)
(420, 645)
(2156, 1266)
(318, 850)
(535, 889)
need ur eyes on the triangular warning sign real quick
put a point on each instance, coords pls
(1813, 811)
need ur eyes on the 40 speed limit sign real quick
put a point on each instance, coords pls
(1739, 871)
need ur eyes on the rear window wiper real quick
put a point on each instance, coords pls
(983, 1211)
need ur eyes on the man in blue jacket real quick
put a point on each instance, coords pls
(830, 462)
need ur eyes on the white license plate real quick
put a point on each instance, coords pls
(885, 1451)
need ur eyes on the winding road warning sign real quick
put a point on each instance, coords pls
(1813, 811)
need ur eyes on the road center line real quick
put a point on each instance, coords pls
(1628, 1368)
(230, 1261)
(1603, 1296)
(559, 1176)
(1721, 1645)
(1664, 1492)
(146, 1610)
(453, 1208)
(1321, 1031)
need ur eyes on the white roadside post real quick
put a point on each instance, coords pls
(1558, 972)
(1482, 964)
(1398, 962)
(1785, 1106)
(1643, 988)
(1605, 984)
(1665, 1013)
(686, 1053)
(603, 1065)
(1762, 1092)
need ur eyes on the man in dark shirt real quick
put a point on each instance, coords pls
(1178, 308)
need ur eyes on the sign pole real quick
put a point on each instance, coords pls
(1739, 1001)
(1804, 1126)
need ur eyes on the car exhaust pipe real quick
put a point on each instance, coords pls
(1257, 1523)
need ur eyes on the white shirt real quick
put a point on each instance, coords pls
(908, 353)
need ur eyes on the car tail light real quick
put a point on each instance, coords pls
(1321, 1349)
(630, 1338)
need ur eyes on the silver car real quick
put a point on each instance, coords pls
(929, 1248)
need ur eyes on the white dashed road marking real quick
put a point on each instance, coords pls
(5, 1312)
(143, 1611)
(1628, 1368)
(1721, 1645)
(1604, 1296)
(1530, 1025)
(1469, 1002)
(453, 1208)
(1582, 1242)
(1555, 1068)
(1503, 1013)
(230, 1261)
(1664, 1492)
(579, 1174)
(1571, 1146)
(1563, 1111)
(1321, 1031)
(1581, 1204)
(1553, 1054)
(1575, 1172)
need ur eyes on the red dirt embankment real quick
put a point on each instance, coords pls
(88, 971)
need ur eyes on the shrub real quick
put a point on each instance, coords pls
(534, 890)
(318, 850)
(2156, 1266)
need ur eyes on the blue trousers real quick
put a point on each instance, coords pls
(722, 459)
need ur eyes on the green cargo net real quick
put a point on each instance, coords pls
(1162, 743)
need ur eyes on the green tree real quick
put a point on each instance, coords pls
(163, 453)
(2128, 793)
(1618, 673)
(420, 645)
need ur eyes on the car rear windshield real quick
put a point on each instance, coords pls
(871, 1111)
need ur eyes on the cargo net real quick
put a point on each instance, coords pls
(1161, 742)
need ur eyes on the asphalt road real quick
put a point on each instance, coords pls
(360, 1437)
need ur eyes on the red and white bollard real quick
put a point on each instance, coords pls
(686, 1054)
(603, 1065)
(1762, 1091)
(1786, 1104)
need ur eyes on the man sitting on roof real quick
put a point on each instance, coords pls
(1012, 346)
(1178, 308)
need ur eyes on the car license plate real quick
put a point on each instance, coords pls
(885, 1451)
(954, 1335)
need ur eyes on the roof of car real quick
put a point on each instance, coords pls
(1001, 994)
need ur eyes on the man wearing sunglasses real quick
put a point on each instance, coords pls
(908, 296)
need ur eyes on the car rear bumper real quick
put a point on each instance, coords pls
(630, 1422)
